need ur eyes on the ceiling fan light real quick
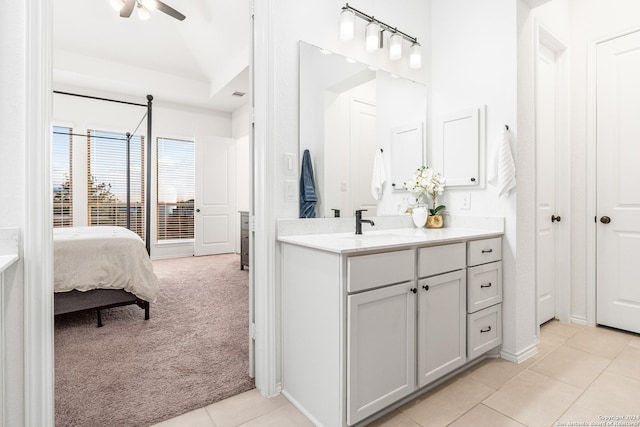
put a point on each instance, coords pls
(347, 25)
(116, 4)
(143, 13)
(395, 47)
(149, 4)
(372, 37)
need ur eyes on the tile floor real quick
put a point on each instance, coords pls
(579, 376)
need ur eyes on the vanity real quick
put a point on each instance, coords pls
(371, 320)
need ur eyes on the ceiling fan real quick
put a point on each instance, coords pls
(125, 7)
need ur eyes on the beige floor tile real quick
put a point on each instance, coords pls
(444, 405)
(243, 407)
(572, 366)
(533, 399)
(635, 342)
(285, 416)
(600, 341)
(483, 416)
(394, 419)
(197, 418)
(495, 372)
(548, 342)
(579, 415)
(560, 328)
(627, 363)
(612, 394)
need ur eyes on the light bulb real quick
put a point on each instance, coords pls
(347, 25)
(372, 37)
(395, 47)
(117, 4)
(415, 56)
(149, 4)
(143, 13)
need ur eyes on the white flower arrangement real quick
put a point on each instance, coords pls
(426, 182)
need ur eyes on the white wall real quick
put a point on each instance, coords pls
(12, 192)
(169, 121)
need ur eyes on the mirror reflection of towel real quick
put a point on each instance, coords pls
(378, 178)
(503, 171)
(308, 196)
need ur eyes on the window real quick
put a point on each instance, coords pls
(107, 180)
(61, 177)
(176, 189)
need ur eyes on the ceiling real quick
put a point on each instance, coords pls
(197, 62)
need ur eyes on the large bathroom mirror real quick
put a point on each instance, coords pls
(350, 113)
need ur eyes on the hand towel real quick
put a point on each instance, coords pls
(503, 170)
(308, 196)
(378, 178)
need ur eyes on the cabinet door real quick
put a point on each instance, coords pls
(380, 349)
(441, 325)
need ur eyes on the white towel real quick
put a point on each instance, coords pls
(503, 170)
(378, 178)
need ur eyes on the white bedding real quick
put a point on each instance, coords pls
(102, 257)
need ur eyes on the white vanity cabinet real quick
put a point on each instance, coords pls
(441, 311)
(484, 302)
(365, 325)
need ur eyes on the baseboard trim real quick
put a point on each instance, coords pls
(301, 408)
(520, 356)
(578, 320)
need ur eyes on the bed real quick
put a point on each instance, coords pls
(100, 267)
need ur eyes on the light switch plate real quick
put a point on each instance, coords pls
(289, 165)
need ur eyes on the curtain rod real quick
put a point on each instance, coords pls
(98, 98)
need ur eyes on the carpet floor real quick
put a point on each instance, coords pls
(193, 351)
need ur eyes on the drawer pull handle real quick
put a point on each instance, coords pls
(425, 287)
(486, 330)
(487, 251)
(414, 290)
(486, 286)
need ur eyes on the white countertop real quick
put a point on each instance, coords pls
(386, 239)
(6, 261)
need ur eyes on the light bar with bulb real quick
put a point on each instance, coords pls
(374, 32)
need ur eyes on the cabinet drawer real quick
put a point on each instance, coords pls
(440, 259)
(484, 286)
(370, 271)
(484, 330)
(484, 251)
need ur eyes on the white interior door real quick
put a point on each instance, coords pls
(363, 146)
(546, 182)
(215, 204)
(618, 175)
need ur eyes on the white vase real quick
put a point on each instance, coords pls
(419, 214)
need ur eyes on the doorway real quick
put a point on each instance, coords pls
(552, 177)
(617, 176)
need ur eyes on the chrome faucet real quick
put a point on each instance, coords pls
(359, 221)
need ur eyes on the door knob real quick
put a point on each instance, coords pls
(555, 218)
(605, 220)
(197, 210)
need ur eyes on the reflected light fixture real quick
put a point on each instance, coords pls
(149, 4)
(143, 13)
(374, 36)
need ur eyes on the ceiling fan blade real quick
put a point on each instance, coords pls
(127, 9)
(162, 7)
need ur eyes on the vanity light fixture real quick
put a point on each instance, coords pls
(374, 34)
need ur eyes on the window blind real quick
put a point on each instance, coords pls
(61, 176)
(107, 180)
(176, 189)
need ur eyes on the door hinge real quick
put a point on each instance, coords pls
(252, 331)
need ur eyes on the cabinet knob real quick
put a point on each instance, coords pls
(425, 287)
(556, 218)
(414, 290)
(488, 285)
(473, 180)
(486, 330)
(197, 210)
